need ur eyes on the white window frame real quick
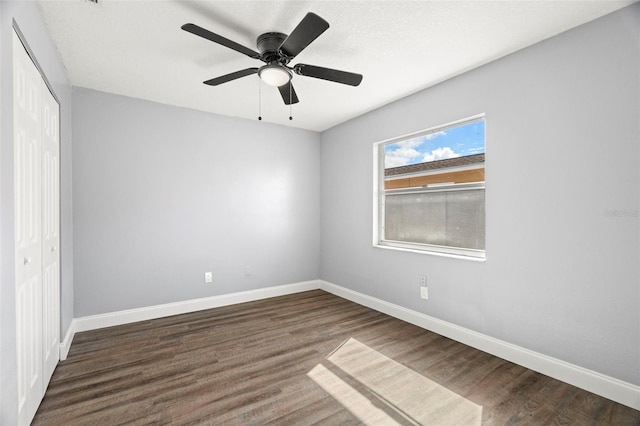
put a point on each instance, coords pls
(379, 194)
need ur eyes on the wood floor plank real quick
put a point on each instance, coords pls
(302, 359)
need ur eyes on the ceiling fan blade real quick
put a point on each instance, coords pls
(199, 31)
(288, 94)
(232, 76)
(329, 74)
(307, 30)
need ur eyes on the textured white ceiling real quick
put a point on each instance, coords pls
(137, 49)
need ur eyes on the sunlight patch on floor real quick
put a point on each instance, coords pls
(390, 393)
(359, 405)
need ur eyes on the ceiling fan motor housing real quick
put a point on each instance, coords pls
(269, 45)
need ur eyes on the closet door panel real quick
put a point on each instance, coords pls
(28, 230)
(50, 233)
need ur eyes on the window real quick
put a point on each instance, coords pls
(430, 190)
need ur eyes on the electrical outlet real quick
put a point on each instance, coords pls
(424, 292)
(208, 277)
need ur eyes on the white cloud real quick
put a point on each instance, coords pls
(435, 135)
(411, 151)
(476, 150)
(400, 157)
(409, 143)
(440, 154)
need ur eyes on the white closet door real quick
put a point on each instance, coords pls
(50, 234)
(37, 228)
(28, 222)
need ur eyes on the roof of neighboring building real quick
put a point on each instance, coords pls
(434, 165)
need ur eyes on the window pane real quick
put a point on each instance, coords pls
(466, 140)
(447, 218)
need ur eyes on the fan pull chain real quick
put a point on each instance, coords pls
(290, 100)
(259, 100)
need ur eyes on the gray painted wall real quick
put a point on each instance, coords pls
(29, 20)
(163, 194)
(562, 273)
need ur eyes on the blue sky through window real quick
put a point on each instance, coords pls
(460, 141)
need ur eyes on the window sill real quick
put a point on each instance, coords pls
(431, 253)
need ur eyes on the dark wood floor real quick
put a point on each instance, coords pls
(308, 358)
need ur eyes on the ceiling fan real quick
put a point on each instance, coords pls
(276, 50)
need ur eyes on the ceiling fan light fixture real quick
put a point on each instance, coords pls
(274, 75)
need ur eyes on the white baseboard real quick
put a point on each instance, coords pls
(592, 381)
(110, 319)
(65, 345)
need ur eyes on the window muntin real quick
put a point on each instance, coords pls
(430, 188)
